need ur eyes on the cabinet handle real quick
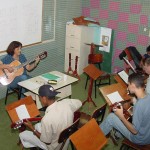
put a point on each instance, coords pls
(71, 47)
(71, 35)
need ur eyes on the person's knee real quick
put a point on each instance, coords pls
(111, 118)
(24, 134)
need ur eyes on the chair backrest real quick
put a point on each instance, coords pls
(89, 137)
(95, 58)
(99, 113)
(64, 135)
(134, 146)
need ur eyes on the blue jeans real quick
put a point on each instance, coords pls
(112, 121)
(14, 83)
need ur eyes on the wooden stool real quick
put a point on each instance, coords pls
(103, 77)
(93, 73)
(129, 144)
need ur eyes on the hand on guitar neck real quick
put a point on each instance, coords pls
(118, 109)
(18, 124)
(17, 69)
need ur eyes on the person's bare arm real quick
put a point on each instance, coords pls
(129, 126)
(33, 65)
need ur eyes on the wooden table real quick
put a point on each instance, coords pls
(63, 86)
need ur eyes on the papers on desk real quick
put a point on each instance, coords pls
(114, 97)
(22, 112)
(124, 76)
(49, 76)
(31, 85)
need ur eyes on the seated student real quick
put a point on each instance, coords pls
(14, 53)
(138, 131)
(147, 55)
(58, 116)
(146, 68)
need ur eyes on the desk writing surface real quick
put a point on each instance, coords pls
(113, 88)
(30, 105)
(40, 81)
(92, 71)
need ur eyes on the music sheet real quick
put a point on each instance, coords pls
(22, 112)
(115, 97)
(124, 76)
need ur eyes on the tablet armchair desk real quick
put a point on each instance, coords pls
(63, 86)
(113, 88)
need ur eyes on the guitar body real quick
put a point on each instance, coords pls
(127, 110)
(6, 77)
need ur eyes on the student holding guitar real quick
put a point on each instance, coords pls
(138, 131)
(13, 57)
(58, 116)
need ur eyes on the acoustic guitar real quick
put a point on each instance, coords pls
(6, 77)
(128, 111)
(18, 124)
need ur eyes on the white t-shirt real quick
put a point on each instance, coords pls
(58, 116)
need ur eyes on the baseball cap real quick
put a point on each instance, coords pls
(47, 90)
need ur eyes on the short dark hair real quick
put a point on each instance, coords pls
(137, 79)
(146, 61)
(148, 49)
(11, 48)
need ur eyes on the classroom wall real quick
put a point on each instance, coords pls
(65, 10)
(127, 18)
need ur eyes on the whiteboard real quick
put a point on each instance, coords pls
(20, 20)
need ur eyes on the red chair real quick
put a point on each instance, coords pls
(126, 144)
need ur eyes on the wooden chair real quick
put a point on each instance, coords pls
(126, 144)
(105, 77)
(12, 91)
(98, 115)
(95, 59)
(64, 135)
(89, 137)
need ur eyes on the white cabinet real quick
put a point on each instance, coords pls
(76, 39)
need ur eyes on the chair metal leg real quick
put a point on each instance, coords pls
(6, 96)
(124, 147)
(72, 147)
(95, 88)
(86, 81)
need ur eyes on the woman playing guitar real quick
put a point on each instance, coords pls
(13, 54)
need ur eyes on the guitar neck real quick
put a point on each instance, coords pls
(18, 124)
(41, 56)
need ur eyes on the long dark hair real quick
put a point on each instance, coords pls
(11, 48)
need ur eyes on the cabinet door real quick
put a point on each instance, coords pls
(73, 31)
(73, 44)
